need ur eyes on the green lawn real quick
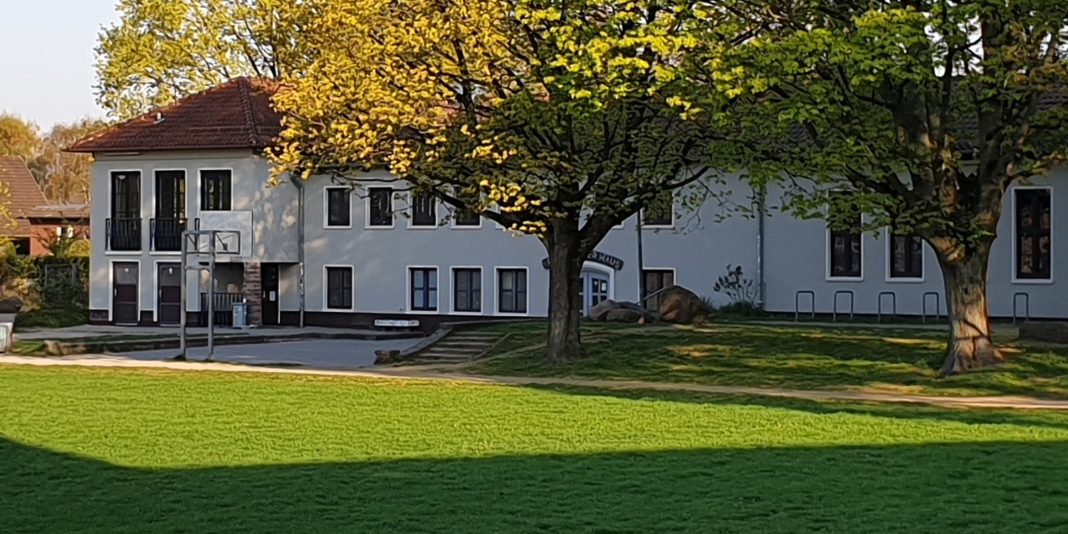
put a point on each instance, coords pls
(798, 357)
(111, 451)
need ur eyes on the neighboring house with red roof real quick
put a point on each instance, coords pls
(318, 252)
(30, 221)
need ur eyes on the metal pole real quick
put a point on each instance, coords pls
(300, 244)
(183, 284)
(211, 296)
(761, 196)
(641, 262)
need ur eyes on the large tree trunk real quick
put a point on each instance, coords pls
(964, 272)
(565, 300)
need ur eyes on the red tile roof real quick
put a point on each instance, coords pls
(236, 114)
(20, 194)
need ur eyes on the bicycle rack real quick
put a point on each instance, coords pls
(938, 304)
(834, 312)
(893, 304)
(797, 304)
(1027, 306)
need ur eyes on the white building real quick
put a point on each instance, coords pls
(375, 255)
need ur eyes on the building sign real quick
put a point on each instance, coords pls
(597, 257)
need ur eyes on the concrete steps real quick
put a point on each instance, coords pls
(458, 347)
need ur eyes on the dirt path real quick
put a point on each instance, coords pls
(432, 372)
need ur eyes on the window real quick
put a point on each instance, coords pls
(424, 289)
(466, 218)
(380, 200)
(1034, 234)
(424, 210)
(661, 211)
(338, 207)
(215, 190)
(845, 251)
(339, 288)
(467, 290)
(655, 280)
(906, 256)
(512, 291)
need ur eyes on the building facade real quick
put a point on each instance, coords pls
(316, 252)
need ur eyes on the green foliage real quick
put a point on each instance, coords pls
(52, 317)
(737, 287)
(341, 454)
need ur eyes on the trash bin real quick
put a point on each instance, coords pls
(240, 312)
(7, 330)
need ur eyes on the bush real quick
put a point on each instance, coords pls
(52, 318)
(740, 310)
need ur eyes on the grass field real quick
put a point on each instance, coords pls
(111, 451)
(862, 359)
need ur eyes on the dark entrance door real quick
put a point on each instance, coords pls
(124, 307)
(170, 294)
(269, 281)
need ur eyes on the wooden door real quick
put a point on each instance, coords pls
(269, 281)
(170, 294)
(124, 294)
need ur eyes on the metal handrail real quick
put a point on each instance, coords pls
(1027, 306)
(893, 304)
(797, 303)
(938, 304)
(834, 310)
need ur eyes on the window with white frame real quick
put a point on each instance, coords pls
(845, 250)
(339, 288)
(215, 190)
(512, 291)
(424, 288)
(661, 211)
(380, 206)
(654, 281)
(1034, 234)
(467, 290)
(424, 210)
(338, 207)
(906, 256)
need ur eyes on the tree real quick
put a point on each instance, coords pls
(18, 137)
(554, 119)
(64, 176)
(163, 50)
(928, 110)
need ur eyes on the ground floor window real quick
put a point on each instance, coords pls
(512, 291)
(339, 288)
(424, 289)
(906, 256)
(1034, 234)
(467, 290)
(845, 253)
(653, 281)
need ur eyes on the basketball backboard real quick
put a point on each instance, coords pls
(234, 233)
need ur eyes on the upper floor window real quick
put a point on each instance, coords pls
(1034, 234)
(465, 217)
(906, 256)
(845, 250)
(215, 190)
(424, 210)
(338, 207)
(661, 211)
(380, 206)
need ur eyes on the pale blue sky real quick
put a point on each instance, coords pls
(46, 57)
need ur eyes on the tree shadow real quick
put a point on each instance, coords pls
(906, 411)
(995, 487)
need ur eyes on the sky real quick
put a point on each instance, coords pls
(46, 58)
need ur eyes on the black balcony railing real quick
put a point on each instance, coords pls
(166, 234)
(224, 308)
(124, 234)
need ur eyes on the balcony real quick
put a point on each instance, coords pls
(124, 234)
(166, 234)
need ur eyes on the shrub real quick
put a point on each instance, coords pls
(737, 287)
(52, 318)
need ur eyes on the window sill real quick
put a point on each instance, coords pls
(906, 280)
(467, 313)
(339, 310)
(423, 227)
(845, 279)
(1032, 281)
(466, 227)
(378, 227)
(329, 227)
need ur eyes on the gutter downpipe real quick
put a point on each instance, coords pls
(760, 201)
(297, 181)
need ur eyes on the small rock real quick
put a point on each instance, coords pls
(386, 356)
(624, 315)
(53, 347)
(11, 305)
(599, 311)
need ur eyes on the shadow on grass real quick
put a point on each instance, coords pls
(992, 487)
(798, 358)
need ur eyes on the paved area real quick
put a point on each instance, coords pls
(431, 373)
(315, 353)
(90, 331)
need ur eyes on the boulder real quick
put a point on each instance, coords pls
(1044, 332)
(383, 356)
(679, 305)
(11, 305)
(625, 315)
(599, 311)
